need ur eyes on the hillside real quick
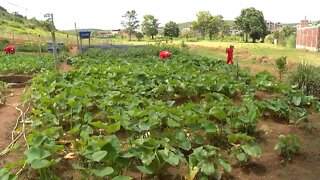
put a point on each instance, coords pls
(18, 29)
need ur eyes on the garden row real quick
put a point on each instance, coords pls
(120, 113)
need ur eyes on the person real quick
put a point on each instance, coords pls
(229, 51)
(10, 49)
(164, 54)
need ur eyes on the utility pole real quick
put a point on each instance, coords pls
(50, 19)
(77, 34)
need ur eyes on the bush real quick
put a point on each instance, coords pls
(269, 39)
(288, 145)
(291, 41)
(281, 65)
(307, 78)
(4, 43)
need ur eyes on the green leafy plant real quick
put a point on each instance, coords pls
(288, 145)
(281, 65)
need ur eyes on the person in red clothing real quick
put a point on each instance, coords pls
(229, 51)
(10, 49)
(164, 54)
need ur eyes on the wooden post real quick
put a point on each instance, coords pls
(54, 44)
(77, 34)
(39, 45)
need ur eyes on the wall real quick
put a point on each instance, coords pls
(308, 38)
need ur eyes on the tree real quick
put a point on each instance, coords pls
(131, 23)
(251, 22)
(203, 20)
(171, 29)
(214, 25)
(139, 36)
(150, 26)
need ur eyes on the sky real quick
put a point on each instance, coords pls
(107, 14)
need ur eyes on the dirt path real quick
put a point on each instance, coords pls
(9, 115)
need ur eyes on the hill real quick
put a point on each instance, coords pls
(18, 29)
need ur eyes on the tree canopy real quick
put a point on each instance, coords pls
(171, 29)
(150, 25)
(251, 22)
(208, 24)
(131, 23)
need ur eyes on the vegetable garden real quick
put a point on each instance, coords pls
(127, 115)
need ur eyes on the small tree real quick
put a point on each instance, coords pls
(131, 23)
(281, 65)
(171, 30)
(139, 36)
(150, 26)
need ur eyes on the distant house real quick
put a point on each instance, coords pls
(115, 32)
(271, 26)
(234, 31)
(308, 36)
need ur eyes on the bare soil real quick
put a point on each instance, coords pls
(8, 118)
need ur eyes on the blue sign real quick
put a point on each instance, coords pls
(85, 34)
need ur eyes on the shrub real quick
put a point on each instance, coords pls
(288, 145)
(281, 65)
(291, 41)
(307, 78)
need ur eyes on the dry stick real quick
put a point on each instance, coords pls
(17, 122)
(24, 135)
(10, 145)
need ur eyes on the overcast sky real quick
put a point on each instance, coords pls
(107, 14)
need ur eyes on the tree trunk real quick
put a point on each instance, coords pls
(152, 37)
(246, 36)
(129, 35)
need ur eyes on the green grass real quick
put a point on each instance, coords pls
(264, 49)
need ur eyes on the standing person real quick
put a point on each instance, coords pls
(229, 51)
(164, 54)
(10, 49)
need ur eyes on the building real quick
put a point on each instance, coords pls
(271, 26)
(308, 36)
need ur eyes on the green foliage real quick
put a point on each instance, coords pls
(128, 111)
(171, 29)
(307, 78)
(150, 25)
(288, 145)
(3, 87)
(251, 22)
(139, 36)
(25, 64)
(3, 43)
(281, 65)
(131, 23)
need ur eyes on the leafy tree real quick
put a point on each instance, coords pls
(131, 23)
(139, 36)
(225, 29)
(171, 29)
(214, 25)
(150, 26)
(251, 22)
(203, 20)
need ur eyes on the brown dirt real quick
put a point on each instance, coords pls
(8, 118)
(73, 50)
(64, 67)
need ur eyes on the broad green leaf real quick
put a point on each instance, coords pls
(97, 156)
(36, 153)
(38, 164)
(208, 168)
(226, 166)
(296, 100)
(170, 157)
(102, 172)
(111, 128)
(241, 157)
(75, 129)
(173, 123)
(252, 150)
(122, 178)
(78, 167)
(99, 124)
(218, 112)
(5, 175)
(38, 140)
(144, 169)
